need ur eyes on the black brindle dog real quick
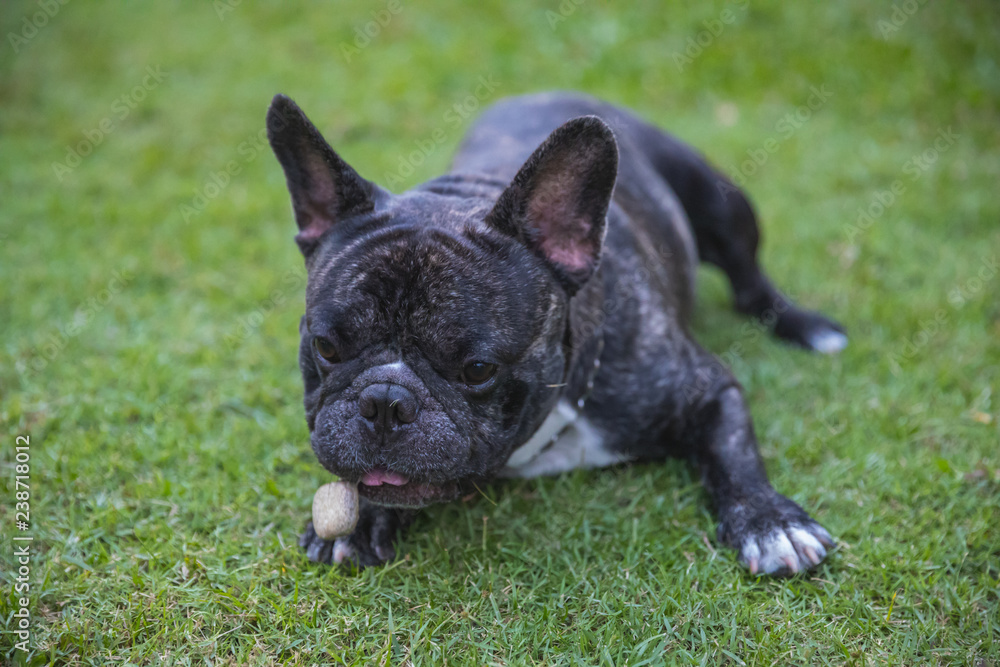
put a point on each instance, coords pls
(527, 314)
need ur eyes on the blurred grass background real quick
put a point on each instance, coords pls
(149, 309)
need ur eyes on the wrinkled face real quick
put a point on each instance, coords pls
(428, 351)
(432, 343)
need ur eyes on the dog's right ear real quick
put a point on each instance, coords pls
(324, 188)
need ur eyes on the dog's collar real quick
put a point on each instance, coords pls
(559, 419)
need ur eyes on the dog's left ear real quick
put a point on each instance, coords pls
(325, 190)
(557, 205)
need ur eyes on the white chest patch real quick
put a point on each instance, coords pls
(578, 445)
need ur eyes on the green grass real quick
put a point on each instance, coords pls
(170, 468)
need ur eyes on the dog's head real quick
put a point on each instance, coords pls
(434, 339)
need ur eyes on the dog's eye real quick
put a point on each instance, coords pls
(325, 349)
(478, 372)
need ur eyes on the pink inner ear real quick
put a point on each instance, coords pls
(576, 253)
(317, 213)
(563, 234)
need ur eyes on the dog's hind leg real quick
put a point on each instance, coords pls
(727, 235)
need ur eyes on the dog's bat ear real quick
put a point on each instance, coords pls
(324, 188)
(557, 204)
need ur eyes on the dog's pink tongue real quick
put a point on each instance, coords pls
(380, 477)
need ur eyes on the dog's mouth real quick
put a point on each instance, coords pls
(392, 489)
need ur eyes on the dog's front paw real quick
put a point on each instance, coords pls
(372, 542)
(775, 536)
(356, 549)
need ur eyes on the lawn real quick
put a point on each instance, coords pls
(150, 293)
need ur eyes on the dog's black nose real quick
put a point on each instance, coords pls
(388, 405)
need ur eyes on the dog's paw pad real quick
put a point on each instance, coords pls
(786, 551)
(827, 341)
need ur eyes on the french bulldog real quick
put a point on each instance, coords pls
(527, 314)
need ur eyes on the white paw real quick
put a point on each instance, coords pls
(793, 549)
(827, 341)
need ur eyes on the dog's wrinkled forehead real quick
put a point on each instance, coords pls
(427, 272)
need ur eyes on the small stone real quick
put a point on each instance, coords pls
(335, 510)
